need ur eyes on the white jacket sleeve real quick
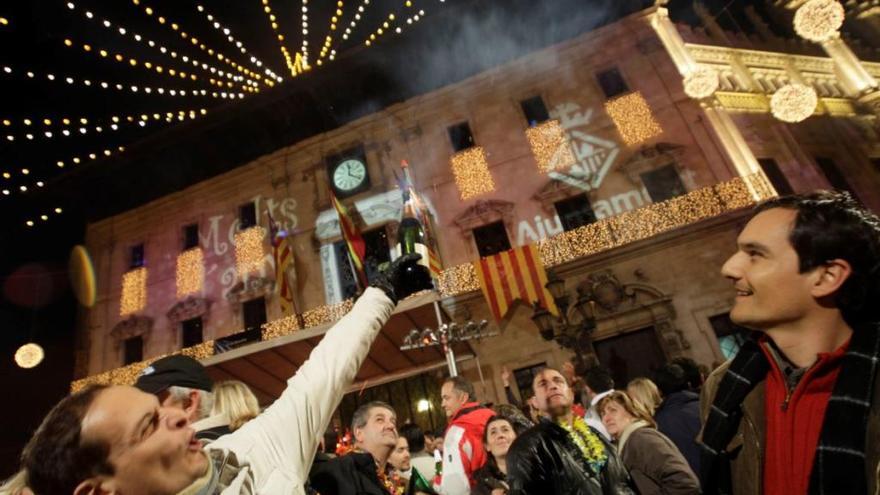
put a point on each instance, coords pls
(282, 441)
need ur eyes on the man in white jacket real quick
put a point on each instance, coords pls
(120, 440)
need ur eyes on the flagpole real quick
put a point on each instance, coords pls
(444, 341)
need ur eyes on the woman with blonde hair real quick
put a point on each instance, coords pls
(654, 463)
(645, 392)
(235, 400)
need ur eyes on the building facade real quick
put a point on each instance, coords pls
(628, 154)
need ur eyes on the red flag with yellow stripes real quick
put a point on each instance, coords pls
(357, 249)
(515, 274)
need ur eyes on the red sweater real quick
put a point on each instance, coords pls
(794, 423)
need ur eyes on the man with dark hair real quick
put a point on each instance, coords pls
(800, 397)
(678, 416)
(693, 376)
(598, 383)
(562, 454)
(463, 451)
(366, 469)
(421, 460)
(119, 439)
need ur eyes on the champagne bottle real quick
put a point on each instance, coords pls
(411, 239)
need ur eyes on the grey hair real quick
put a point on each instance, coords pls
(206, 399)
(362, 414)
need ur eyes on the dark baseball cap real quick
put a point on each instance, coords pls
(176, 370)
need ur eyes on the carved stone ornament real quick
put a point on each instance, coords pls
(249, 288)
(189, 308)
(648, 158)
(556, 190)
(482, 213)
(132, 326)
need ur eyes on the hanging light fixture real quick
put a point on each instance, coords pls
(819, 20)
(794, 102)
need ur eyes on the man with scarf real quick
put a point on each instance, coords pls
(563, 455)
(797, 410)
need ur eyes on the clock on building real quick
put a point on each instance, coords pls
(348, 175)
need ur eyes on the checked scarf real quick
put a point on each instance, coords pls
(839, 465)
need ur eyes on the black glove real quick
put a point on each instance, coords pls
(402, 277)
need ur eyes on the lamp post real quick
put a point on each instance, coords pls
(574, 326)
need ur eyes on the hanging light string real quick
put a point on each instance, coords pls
(238, 44)
(328, 41)
(295, 64)
(122, 31)
(304, 47)
(48, 76)
(114, 124)
(354, 21)
(8, 188)
(149, 11)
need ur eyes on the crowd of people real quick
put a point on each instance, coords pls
(795, 411)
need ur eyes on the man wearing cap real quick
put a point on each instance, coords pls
(182, 382)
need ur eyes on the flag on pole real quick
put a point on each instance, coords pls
(515, 274)
(423, 216)
(285, 268)
(357, 249)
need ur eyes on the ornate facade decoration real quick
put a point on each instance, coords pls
(648, 158)
(132, 326)
(249, 288)
(187, 309)
(484, 212)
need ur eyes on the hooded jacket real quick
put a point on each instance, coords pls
(463, 451)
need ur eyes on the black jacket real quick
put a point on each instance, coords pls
(678, 417)
(545, 460)
(351, 474)
(488, 478)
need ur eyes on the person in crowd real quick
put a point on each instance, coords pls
(119, 439)
(797, 410)
(463, 451)
(563, 454)
(16, 485)
(598, 384)
(513, 415)
(420, 459)
(645, 392)
(498, 436)
(570, 369)
(366, 469)
(692, 373)
(654, 463)
(182, 382)
(400, 459)
(234, 405)
(678, 416)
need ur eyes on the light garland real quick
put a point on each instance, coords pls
(134, 291)
(4, 21)
(819, 20)
(122, 31)
(701, 83)
(550, 146)
(6, 191)
(633, 118)
(296, 64)
(149, 11)
(471, 172)
(382, 29)
(190, 272)
(354, 21)
(304, 46)
(148, 65)
(44, 217)
(29, 355)
(249, 249)
(565, 247)
(328, 41)
(238, 44)
(142, 121)
(793, 102)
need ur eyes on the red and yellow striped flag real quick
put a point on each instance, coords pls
(511, 275)
(357, 249)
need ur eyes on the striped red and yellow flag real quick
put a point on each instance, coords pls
(511, 275)
(357, 249)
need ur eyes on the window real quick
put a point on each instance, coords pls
(833, 174)
(254, 314)
(347, 281)
(663, 183)
(612, 82)
(247, 215)
(535, 110)
(137, 256)
(133, 350)
(491, 239)
(461, 137)
(190, 236)
(775, 176)
(377, 252)
(575, 212)
(191, 331)
(730, 335)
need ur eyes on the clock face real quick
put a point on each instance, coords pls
(349, 175)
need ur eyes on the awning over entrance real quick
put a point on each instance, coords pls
(266, 366)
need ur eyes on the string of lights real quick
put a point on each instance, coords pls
(354, 21)
(76, 160)
(122, 31)
(4, 21)
(304, 47)
(380, 30)
(177, 92)
(149, 11)
(238, 44)
(328, 41)
(296, 65)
